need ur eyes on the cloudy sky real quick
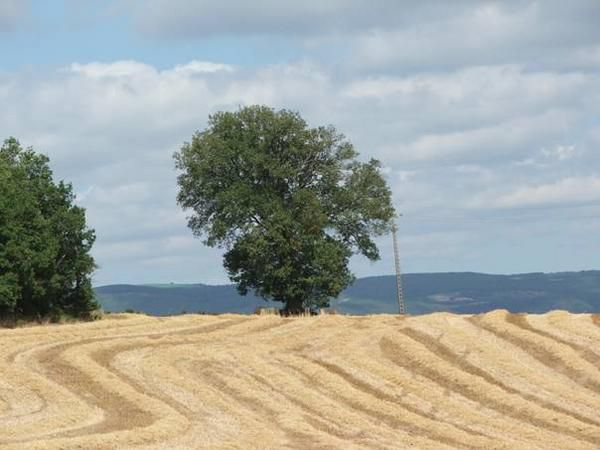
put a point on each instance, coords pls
(486, 116)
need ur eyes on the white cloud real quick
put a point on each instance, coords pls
(476, 33)
(490, 91)
(474, 108)
(202, 67)
(392, 35)
(450, 142)
(567, 191)
(118, 69)
(387, 32)
(560, 152)
(585, 57)
(503, 141)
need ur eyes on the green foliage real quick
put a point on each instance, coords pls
(289, 203)
(45, 264)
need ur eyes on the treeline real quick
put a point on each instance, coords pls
(290, 205)
(45, 261)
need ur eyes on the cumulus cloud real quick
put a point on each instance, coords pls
(461, 148)
(393, 35)
(504, 141)
(535, 34)
(567, 191)
(560, 152)
(486, 22)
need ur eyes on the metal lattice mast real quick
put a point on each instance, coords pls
(400, 293)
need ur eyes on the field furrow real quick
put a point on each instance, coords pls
(493, 381)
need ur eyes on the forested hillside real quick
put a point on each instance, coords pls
(453, 292)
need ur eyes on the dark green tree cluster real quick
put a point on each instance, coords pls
(45, 264)
(289, 203)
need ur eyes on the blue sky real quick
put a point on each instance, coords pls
(59, 32)
(483, 113)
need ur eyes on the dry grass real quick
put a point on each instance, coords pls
(438, 381)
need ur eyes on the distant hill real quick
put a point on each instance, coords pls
(462, 292)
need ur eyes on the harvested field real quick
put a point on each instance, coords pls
(439, 381)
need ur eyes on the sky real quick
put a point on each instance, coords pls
(484, 114)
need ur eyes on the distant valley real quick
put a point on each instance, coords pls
(461, 292)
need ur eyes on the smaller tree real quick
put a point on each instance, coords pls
(289, 203)
(45, 264)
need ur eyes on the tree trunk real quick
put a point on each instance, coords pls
(293, 307)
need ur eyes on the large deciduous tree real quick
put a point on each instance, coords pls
(289, 203)
(45, 265)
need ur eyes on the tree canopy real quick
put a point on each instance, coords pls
(289, 203)
(45, 265)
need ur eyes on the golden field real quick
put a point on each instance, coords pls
(438, 381)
